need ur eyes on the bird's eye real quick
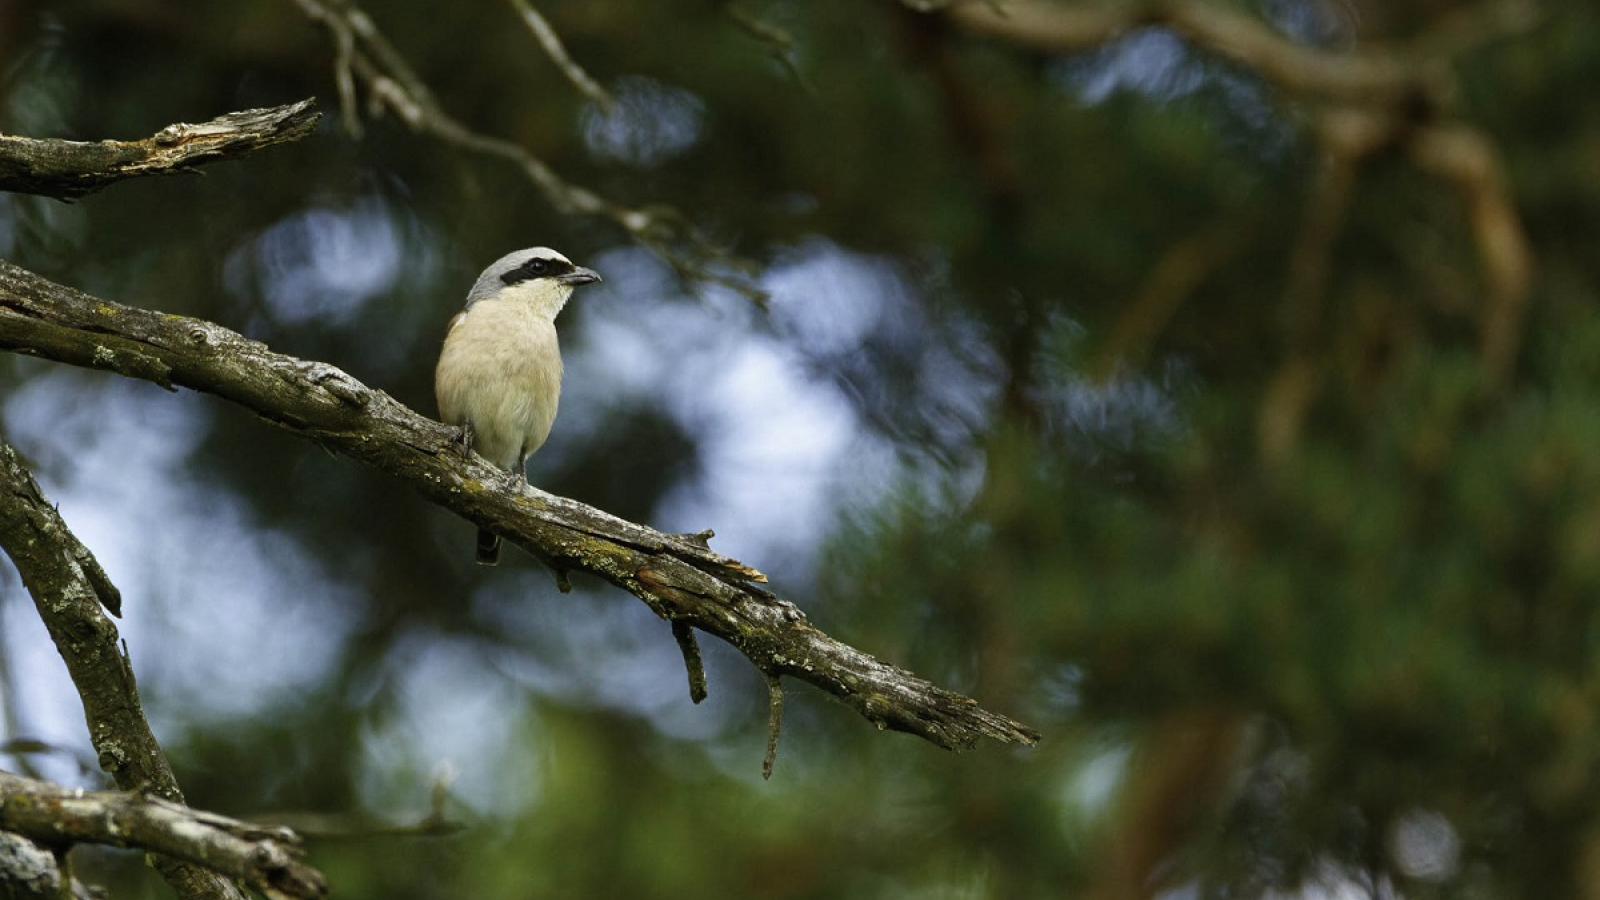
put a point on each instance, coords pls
(539, 266)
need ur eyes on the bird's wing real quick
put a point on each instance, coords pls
(454, 321)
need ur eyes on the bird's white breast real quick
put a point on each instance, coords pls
(500, 372)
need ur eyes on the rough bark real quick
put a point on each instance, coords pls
(678, 576)
(265, 858)
(30, 872)
(68, 170)
(68, 588)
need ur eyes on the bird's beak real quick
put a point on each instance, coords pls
(578, 276)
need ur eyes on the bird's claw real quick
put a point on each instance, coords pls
(463, 440)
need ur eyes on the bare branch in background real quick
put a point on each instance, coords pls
(1295, 386)
(366, 57)
(1470, 161)
(1380, 74)
(1382, 97)
(1471, 26)
(266, 859)
(1182, 268)
(67, 170)
(68, 589)
(677, 576)
(344, 826)
(781, 42)
(553, 48)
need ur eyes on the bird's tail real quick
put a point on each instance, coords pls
(488, 548)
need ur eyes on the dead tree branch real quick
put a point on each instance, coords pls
(29, 871)
(551, 43)
(67, 170)
(68, 588)
(677, 576)
(265, 858)
(365, 57)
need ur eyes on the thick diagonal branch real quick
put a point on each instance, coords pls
(678, 577)
(265, 858)
(68, 588)
(67, 170)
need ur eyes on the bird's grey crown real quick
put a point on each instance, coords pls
(516, 267)
(549, 264)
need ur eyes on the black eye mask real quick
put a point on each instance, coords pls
(538, 267)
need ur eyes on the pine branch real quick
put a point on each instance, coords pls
(677, 576)
(1370, 99)
(68, 170)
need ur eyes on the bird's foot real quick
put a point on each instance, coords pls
(462, 440)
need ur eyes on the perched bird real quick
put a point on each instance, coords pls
(499, 374)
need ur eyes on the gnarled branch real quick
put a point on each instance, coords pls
(29, 871)
(68, 588)
(68, 170)
(678, 576)
(265, 858)
(198, 854)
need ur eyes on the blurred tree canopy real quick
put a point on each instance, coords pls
(1212, 385)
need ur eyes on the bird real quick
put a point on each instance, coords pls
(499, 372)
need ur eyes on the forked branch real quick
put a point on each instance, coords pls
(265, 858)
(677, 576)
(69, 588)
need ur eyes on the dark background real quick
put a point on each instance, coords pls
(1297, 587)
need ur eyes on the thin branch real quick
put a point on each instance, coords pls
(553, 48)
(365, 55)
(68, 170)
(781, 42)
(1281, 418)
(1467, 28)
(267, 859)
(1181, 270)
(676, 575)
(68, 588)
(1469, 160)
(1051, 27)
(344, 43)
(1312, 257)
(23, 747)
(317, 826)
(690, 647)
(774, 723)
